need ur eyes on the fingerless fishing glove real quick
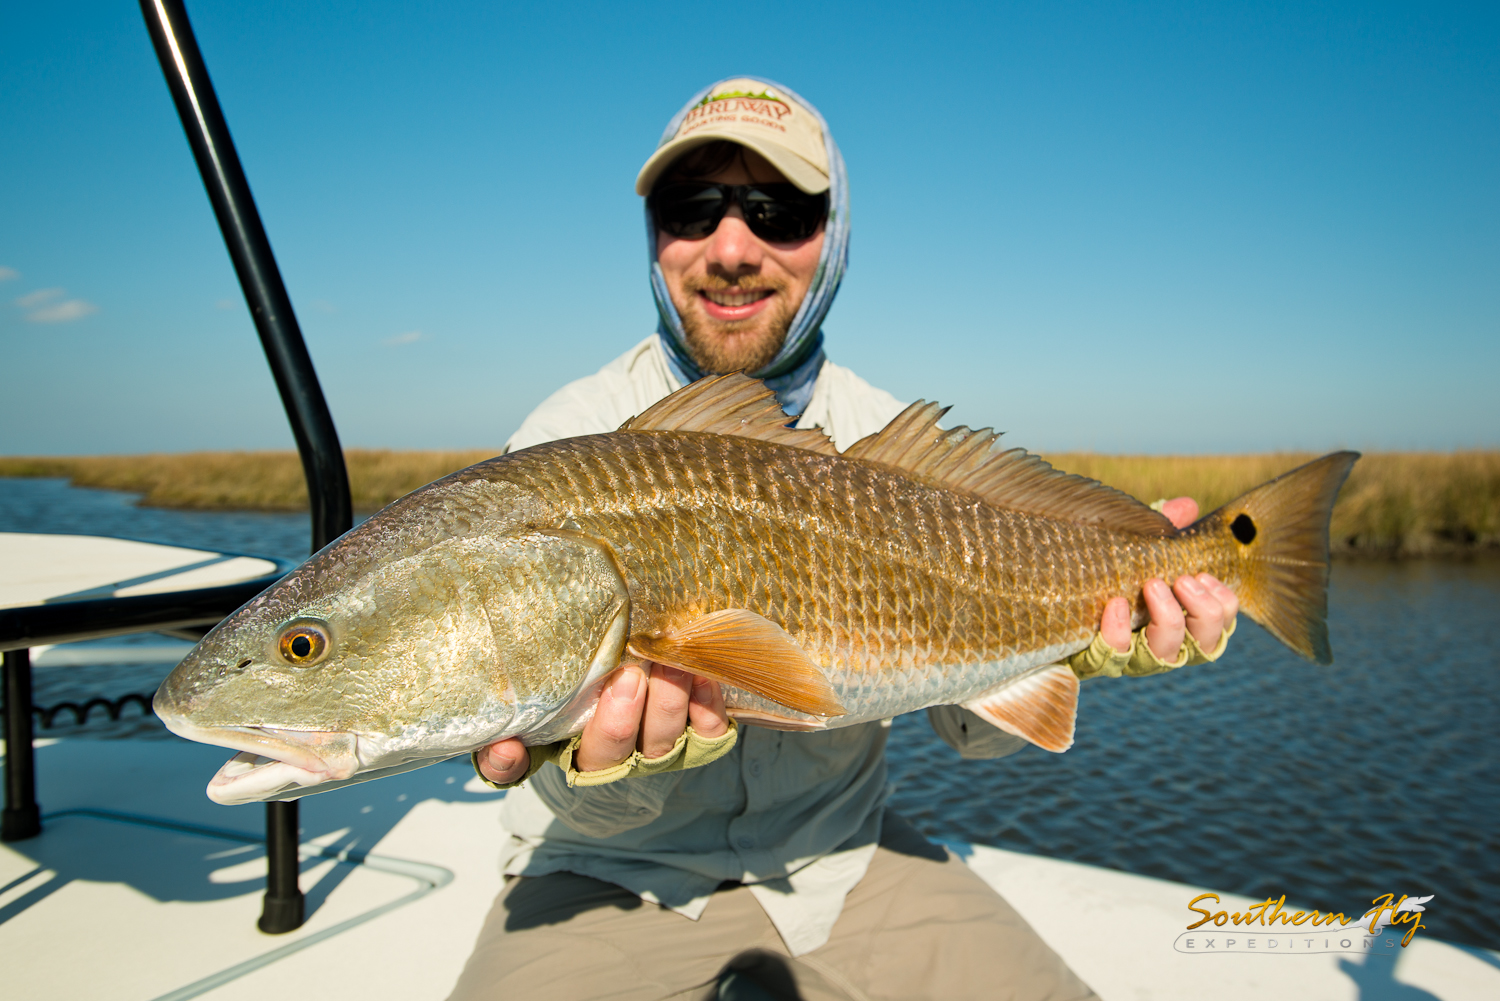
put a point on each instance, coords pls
(1099, 658)
(690, 751)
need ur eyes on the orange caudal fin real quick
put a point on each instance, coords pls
(1280, 530)
(740, 648)
(1040, 707)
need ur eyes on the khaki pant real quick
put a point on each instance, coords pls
(919, 925)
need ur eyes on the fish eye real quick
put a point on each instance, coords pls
(302, 644)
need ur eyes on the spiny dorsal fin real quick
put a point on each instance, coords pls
(729, 404)
(1040, 707)
(738, 647)
(964, 459)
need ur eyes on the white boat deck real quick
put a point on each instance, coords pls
(101, 906)
(45, 569)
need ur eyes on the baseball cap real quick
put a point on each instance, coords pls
(755, 115)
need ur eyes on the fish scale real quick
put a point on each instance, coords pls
(920, 567)
(961, 631)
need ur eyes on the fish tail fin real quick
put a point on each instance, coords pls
(1281, 531)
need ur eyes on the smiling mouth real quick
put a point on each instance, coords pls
(731, 298)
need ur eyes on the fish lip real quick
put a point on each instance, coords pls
(271, 757)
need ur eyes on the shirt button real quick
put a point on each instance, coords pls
(755, 768)
(747, 842)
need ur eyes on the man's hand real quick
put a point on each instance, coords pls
(1200, 605)
(643, 706)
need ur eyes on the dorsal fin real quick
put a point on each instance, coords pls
(964, 459)
(729, 404)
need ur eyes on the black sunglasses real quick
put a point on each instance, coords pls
(779, 213)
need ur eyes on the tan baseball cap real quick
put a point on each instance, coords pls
(755, 115)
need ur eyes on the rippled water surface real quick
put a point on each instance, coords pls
(1264, 774)
(1261, 774)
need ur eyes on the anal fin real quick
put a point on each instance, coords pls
(1041, 707)
(738, 647)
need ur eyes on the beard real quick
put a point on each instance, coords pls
(749, 345)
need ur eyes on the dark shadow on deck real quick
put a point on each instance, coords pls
(162, 780)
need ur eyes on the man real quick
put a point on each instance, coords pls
(774, 871)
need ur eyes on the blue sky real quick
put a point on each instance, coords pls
(1125, 227)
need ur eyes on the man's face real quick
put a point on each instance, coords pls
(737, 293)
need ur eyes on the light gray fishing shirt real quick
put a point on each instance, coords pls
(794, 816)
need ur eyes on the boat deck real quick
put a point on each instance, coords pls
(140, 888)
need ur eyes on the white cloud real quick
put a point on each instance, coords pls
(31, 300)
(323, 306)
(410, 337)
(62, 312)
(8, 274)
(225, 304)
(43, 306)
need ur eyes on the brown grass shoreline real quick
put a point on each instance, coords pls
(1395, 503)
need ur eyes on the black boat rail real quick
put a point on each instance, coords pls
(94, 618)
(276, 323)
(312, 427)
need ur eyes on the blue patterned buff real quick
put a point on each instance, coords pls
(793, 371)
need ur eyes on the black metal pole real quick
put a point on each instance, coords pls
(207, 133)
(271, 309)
(22, 818)
(282, 909)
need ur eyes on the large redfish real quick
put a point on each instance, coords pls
(920, 567)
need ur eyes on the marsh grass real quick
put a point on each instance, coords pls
(1410, 503)
(246, 481)
(1397, 503)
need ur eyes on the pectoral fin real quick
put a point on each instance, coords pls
(1041, 707)
(738, 647)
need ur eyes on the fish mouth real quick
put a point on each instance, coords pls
(272, 760)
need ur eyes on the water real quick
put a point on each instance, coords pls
(1264, 774)
(54, 507)
(1261, 774)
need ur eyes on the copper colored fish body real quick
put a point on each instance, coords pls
(921, 567)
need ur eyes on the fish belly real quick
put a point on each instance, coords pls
(871, 699)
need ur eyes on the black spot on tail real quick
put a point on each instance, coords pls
(1243, 528)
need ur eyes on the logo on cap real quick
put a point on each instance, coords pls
(747, 112)
(737, 105)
